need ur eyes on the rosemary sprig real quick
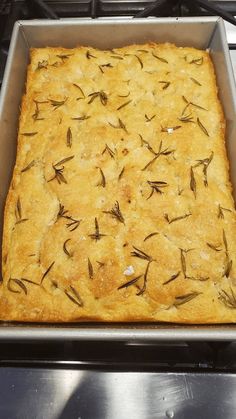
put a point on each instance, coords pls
(129, 283)
(149, 119)
(146, 144)
(64, 56)
(62, 211)
(69, 137)
(59, 170)
(183, 262)
(139, 60)
(163, 60)
(81, 118)
(228, 298)
(65, 250)
(120, 125)
(161, 152)
(172, 278)
(81, 91)
(29, 134)
(115, 212)
(201, 126)
(193, 185)
(221, 211)
(138, 253)
(103, 179)
(18, 213)
(145, 277)
(35, 115)
(183, 299)
(74, 296)
(57, 103)
(213, 247)
(97, 235)
(123, 105)
(228, 267)
(101, 95)
(205, 163)
(17, 282)
(108, 65)
(89, 55)
(121, 173)
(156, 186)
(165, 84)
(195, 81)
(150, 235)
(186, 118)
(197, 61)
(31, 164)
(90, 269)
(42, 64)
(73, 224)
(47, 272)
(172, 220)
(109, 151)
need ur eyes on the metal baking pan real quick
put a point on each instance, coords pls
(202, 32)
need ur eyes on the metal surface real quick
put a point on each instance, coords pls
(199, 32)
(79, 394)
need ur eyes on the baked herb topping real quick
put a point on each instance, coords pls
(97, 235)
(156, 186)
(115, 212)
(74, 296)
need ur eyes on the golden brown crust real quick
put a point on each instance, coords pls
(121, 173)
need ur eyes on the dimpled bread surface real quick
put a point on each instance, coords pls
(120, 206)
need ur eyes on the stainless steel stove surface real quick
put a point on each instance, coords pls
(120, 380)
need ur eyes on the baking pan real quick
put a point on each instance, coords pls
(197, 32)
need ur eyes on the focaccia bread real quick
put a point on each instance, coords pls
(120, 207)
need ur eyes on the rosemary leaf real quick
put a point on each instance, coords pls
(97, 235)
(75, 297)
(65, 160)
(123, 105)
(181, 217)
(81, 118)
(183, 262)
(156, 186)
(29, 134)
(89, 55)
(201, 126)
(65, 250)
(18, 282)
(150, 235)
(129, 283)
(163, 60)
(183, 299)
(140, 254)
(143, 289)
(103, 179)
(172, 278)
(90, 269)
(115, 212)
(228, 299)
(139, 60)
(121, 173)
(109, 151)
(69, 138)
(81, 91)
(149, 119)
(193, 185)
(165, 84)
(195, 81)
(213, 247)
(46, 272)
(31, 164)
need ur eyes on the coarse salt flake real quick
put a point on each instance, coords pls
(129, 271)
